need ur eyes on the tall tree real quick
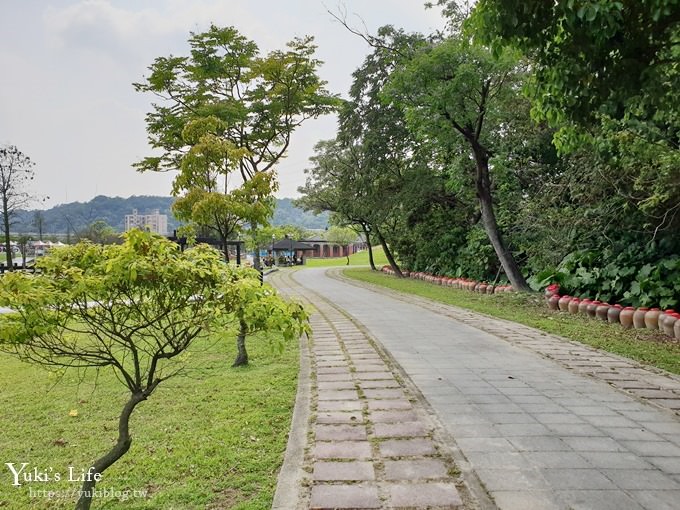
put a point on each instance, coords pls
(259, 99)
(339, 181)
(16, 171)
(456, 93)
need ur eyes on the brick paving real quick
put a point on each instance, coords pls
(543, 422)
(371, 445)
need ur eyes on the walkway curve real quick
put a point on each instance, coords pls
(538, 435)
(370, 442)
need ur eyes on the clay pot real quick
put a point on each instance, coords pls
(662, 318)
(550, 290)
(613, 314)
(669, 323)
(563, 303)
(601, 311)
(592, 308)
(676, 329)
(652, 318)
(639, 318)
(583, 306)
(573, 305)
(482, 288)
(553, 302)
(626, 317)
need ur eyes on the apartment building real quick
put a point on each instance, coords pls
(152, 222)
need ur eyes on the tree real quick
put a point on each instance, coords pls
(99, 232)
(343, 236)
(605, 74)
(590, 57)
(454, 92)
(337, 182)
(259, 100)
(16, 170)
(39, 223)
(133, 308)
(228, 213)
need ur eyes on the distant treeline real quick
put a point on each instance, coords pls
(76, 216)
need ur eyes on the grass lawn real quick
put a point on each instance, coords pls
(210, 439)
(646, 346)
(356, 259)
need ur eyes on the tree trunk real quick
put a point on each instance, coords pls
(8, 246)
(483, 184)
(242, 356)
(388, 254)
(225, 249)
(120, 448)
(370, 248)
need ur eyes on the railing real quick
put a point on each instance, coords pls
(16, 267)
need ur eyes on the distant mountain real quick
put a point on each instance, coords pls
(76, 216)
(287, 214)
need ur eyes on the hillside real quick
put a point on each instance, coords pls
(77, 215)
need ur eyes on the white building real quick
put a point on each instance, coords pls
(153, 222)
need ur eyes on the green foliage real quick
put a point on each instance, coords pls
(591, 56)
(133, 307)
(638, 275)
(99, 232)
(341, 235)
(257, 101)
(229, 213)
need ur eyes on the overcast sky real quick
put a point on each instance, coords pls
(66, 69)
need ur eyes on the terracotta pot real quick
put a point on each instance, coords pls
(550, 290)
(573, 305)
(626, 317)
(662, 318)
(553, 302)
(652, 318)
(592, 308)
(613, 314)
(481, 288)
(583, 306)
(669, 323)
(676, 329)
(639, 318)
(601, 311)
(563, 303)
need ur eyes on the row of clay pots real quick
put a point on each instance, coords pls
(667, 321)
(457, 283)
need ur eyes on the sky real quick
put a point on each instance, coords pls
(67, 68)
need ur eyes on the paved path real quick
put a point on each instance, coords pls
(581, 430)
(371, 444)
